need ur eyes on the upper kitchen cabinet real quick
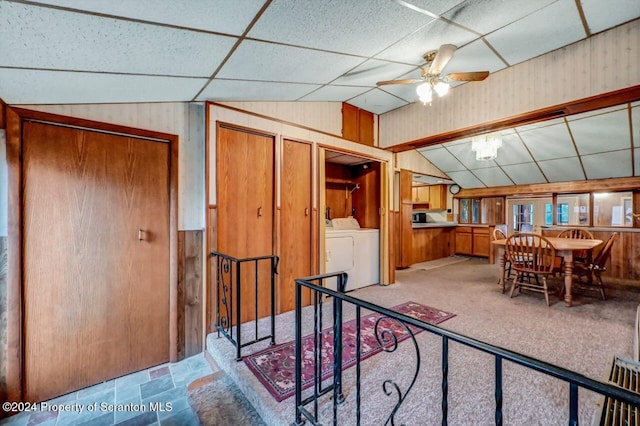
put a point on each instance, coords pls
(420, 195)
(437, 197)
(357, 124)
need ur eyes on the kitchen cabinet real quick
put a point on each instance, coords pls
(421, 195)
(437, 197)
(464, 240)
(480, 246)
(473, 241)
(357, 124)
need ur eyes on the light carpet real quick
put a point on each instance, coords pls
(583, 338)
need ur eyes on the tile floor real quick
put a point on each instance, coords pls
(156, 396)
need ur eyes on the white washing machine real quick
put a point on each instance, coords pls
(353, 250)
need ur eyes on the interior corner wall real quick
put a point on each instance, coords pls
(600, 64)
(414, 161)
(179, 118)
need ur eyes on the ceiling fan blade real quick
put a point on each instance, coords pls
(407, 81)
(467, 76)
(444, 55)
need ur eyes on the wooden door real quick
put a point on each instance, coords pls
(95, 257)
(245, 169)
(295, 204)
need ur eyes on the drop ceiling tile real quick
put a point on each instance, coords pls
(224, 16)
(377, 101)
(547, 143)
(596, 112)
(61, 87)
(242, 90)
(635, 122)
(430, 147)
(255, 60)
(334, 93)
(467, 157)
(540, 124)
(47, 38)
(547, 29)
(523, 174)
(607, 164)
(372, 71)
(512, 151)
(476, 56)
(601, 15)
(314, 24)
(404, 91)
(430, 37)
(600, 133)
(493, 176)
(562, 169)
(466, 179)
(432, 7)
(443, 159)
(488, 15)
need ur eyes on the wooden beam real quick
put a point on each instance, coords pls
(604, 100)
(613, 184)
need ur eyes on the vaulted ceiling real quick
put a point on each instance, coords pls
(595, 145)
(105, 51)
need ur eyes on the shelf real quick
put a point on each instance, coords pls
(339, 181)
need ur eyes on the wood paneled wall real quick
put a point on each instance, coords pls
(432, 243)
(625, 255)
(545, 81)
(190, 293)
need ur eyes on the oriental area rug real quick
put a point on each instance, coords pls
(275, 366)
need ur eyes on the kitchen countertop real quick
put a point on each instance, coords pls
(434, 225)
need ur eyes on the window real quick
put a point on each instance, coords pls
(522, 217)
(563, 214)
(469, 210)
(573, 209)
(548, 214)
(613, 209)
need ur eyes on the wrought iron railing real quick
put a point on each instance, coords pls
(308, 409)
(229, 272)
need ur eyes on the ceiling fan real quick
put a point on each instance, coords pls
(431, 80)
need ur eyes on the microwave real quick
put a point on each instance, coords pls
(419, 218)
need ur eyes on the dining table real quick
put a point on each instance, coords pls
(564, 248)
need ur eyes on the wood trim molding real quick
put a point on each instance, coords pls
(3, 114)
(15, 117)
(612, 184)
(603, 100)
(14, 259)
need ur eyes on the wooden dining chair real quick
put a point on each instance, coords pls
(498, 234)
(582, 234)
(586, 272)
(530, 255)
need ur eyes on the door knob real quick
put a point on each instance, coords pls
(259, 211)
(306, 211)
(140, 234)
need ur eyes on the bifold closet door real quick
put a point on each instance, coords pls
(245, 198)
(95, 257)
(295, 210)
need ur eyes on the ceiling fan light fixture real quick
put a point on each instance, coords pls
(424, 93)
(486, 146)
(441, 88)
